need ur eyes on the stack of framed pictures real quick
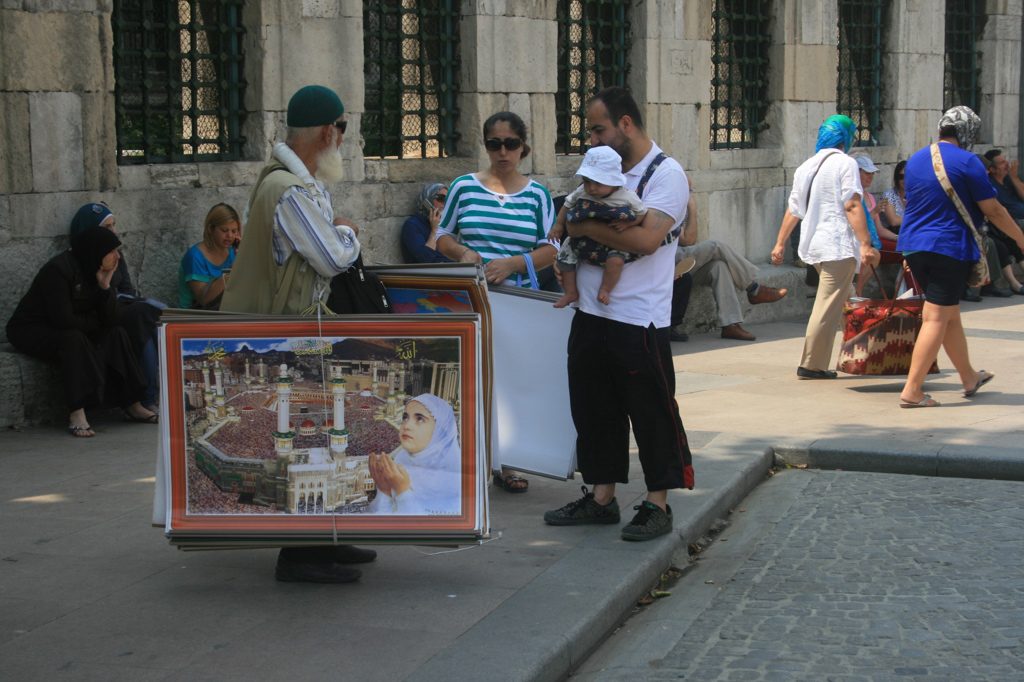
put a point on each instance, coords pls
(284, 430)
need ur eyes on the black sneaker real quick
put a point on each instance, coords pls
(582, 511)
(650, 522)
(292, 570)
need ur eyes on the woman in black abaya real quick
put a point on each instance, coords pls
(69, 317)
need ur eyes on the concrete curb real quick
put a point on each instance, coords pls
(588, 592)
(958, 461)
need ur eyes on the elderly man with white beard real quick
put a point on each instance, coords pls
(294, 245)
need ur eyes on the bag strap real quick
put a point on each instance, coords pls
(885, 294)
(807, 199)
(642, 185)
(531, 273)
(653, 166)
(940, 173)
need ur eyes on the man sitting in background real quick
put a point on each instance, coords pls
(1009, 192)
(726, 271)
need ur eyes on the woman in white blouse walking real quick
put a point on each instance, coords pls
(834, 237)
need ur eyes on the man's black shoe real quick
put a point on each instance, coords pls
(998, 292)
(651, 521)
(681, 337)
(583, 511)
(289, 570)
(804, 373)
(330, 554)
(971, 295)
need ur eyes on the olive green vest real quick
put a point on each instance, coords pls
(257, 284)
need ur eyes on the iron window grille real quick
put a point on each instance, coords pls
(961, 83)
(859, 86)
(593, 50)
(179, 86)
(411, 76)
(740, 39)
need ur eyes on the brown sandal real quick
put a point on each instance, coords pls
(511, 483)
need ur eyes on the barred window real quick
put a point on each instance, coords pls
(179, 86)
(411, 78)
(740, 38)
(965, 21)
(593, 50)
(859, 86)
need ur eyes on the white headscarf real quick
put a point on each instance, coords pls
(434, 472)
(443, 451)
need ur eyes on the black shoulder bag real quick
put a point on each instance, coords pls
(357, 291)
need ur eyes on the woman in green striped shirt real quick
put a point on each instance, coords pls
(500, 217)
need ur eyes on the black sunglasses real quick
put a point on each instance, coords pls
(341, 125)
(493, 144)
(441, 196)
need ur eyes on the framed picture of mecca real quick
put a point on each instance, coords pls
(355, 427)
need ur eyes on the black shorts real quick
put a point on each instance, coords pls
(941, 278)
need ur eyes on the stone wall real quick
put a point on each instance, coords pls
(58, 147)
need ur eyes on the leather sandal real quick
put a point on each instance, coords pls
(983, 378)
(926, 401)
(511, 483)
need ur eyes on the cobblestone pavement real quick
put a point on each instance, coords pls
(843, 576)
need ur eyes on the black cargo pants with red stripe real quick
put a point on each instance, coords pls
(621, 373)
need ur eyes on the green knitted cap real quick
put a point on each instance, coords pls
(314, 105)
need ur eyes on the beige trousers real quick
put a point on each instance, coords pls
(834, 282)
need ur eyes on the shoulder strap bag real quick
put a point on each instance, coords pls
(811, 272)
(979, 274)
(356, 291)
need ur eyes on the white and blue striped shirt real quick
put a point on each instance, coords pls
(497, 225)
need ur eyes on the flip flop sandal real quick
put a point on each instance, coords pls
(985, 378)
(926, 401)
(151, 419)
(81, 431)
(507, 482)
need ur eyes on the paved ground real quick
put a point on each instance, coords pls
(843, 576)
(88, 590)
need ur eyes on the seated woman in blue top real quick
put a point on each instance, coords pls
(940, 247)
(419, 232)
(202, 271)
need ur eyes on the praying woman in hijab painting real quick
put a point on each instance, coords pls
(424, 475)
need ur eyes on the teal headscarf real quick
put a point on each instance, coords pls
(836, 130)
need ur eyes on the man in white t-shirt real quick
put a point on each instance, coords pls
(717, 264)
(619, 357)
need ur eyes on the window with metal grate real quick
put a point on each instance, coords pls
(593, 53)
(179, 86)
(961, 82)
(411, 78)
(740, 40)
(859, 86)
